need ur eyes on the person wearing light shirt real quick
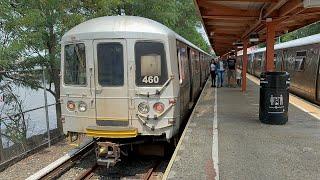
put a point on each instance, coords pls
(220, 72)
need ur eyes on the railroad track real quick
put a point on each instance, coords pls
(88, 173)
(57, 168)
(65, 166)
(150, 173)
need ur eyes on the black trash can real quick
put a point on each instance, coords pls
(274, 97)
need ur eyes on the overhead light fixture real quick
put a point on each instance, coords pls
(254, 37)
(311, 3)
(237, 43)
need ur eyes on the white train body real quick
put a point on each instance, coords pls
(111, 65)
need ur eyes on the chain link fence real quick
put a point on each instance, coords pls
(28, 119)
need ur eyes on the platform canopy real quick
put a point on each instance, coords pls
(229, 21)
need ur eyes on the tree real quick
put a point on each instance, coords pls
(33, 29)
(178, 15)
(302, 32)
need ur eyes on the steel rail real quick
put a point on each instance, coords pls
(60, 166)
(149, 173)
(88, 173)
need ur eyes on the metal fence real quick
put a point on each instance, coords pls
(28, 119)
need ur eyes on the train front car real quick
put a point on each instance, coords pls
(119, 83)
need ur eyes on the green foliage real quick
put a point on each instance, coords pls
(302, 32)
(178, 15)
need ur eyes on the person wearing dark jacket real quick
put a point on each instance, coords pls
(231, 62)
(213, 72)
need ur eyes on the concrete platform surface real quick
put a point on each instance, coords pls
(247, 149)
(193, 156)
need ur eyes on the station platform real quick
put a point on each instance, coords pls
(224, 139)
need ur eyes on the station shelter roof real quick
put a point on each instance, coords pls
(229, 21)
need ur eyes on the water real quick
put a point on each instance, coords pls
(37, 118)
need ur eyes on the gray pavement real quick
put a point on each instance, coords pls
(249, 149)
(194, 156)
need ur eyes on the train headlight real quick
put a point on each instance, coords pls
(82, 106)
(71, 106)
(158, 107)
(143, 108)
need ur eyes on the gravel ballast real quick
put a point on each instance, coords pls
(33, 163)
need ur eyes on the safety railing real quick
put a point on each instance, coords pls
(28, 116)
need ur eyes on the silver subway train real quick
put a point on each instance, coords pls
(301, 58)
(126, 79)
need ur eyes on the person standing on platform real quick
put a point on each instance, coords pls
(213, 72)
(220, 71)
(239, 75)
(231, 62)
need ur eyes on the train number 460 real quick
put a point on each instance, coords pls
(150, 79)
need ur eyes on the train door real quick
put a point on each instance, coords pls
(111, 93)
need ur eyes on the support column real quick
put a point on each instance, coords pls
(244, 65)
(269, 65)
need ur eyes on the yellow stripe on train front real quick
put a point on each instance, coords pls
(110, 132)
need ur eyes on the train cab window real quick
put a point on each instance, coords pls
(110, 64)
(75, 64)
(300, 60)
(151, 68)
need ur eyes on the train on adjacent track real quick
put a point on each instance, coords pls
(300, 57)
(127, 80)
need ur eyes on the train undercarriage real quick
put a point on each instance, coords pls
(109, 151)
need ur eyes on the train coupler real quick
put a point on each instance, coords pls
(107, 153)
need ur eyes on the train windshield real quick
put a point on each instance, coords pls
(151, 68)
(110, 64)
(75, 64)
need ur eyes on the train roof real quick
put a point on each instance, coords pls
(123, 25)
(313, 39)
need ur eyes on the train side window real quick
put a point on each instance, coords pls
(75, 64)
(182, 58)
(178, 63)
(151, 63)
(299, 64)
(110, 64)
(195, 60)
(300, 60)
